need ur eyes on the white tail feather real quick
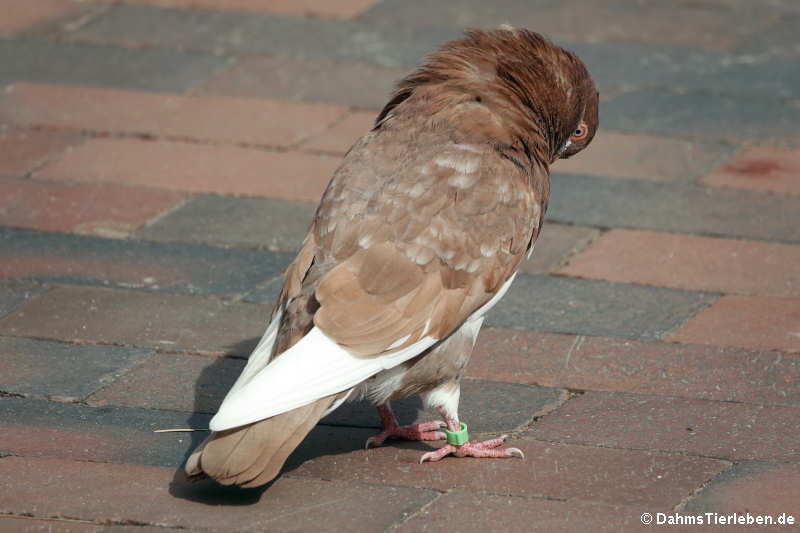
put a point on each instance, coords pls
(313, 368)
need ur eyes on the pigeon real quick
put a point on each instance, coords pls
(420, 231)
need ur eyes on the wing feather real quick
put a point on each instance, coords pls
(413, 236)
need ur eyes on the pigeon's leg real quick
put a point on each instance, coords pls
(391, 428)
(488, 448)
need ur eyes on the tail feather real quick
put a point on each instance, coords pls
(253, 455)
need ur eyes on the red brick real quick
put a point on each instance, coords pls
(341, 9)
(758, 322)
(170, 322)
(98, 444)
(733, 431)
(174, 382)
(196, 168)
(550, 470)
(10, 524)
(240, 120)
(340, 137)
(472, 513)
(105, 492)
(754, 487)
(690, 262)
(107, 210)
(611, 364)
(21, 15)
(763, 168)
(646, 157)
(25, 150)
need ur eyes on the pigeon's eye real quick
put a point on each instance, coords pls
(580, 132)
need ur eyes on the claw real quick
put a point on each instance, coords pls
(516, 452)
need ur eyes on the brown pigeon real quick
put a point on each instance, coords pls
(419, 233)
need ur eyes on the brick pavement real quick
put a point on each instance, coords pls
(160, 161)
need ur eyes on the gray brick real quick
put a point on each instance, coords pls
(681, 208)
(51, 369)
(555, 245)
(263, 223)
(488, 407)
(104, 66)
(172, 322)
(589, 307)
(266, 294)
(100, 434)
(174, 267)
(15, 293)
(702, 113)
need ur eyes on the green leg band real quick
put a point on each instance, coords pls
(457, 437)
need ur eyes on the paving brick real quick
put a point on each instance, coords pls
(106, 210)
(266, 294)
(691, 262)
(36, 60)
(645, 157)
(197, 168)
(173, 382)
(21, 16)
(354, 84)
(570, 305)
(700, 113)
(608, 364)
(778, 39)
(733, 431)
(257, 33)
(340, 137)
(653, 68)
(170, 322)
(751, 486)
(103, 492)
(38, 428)
(555, 245)
(14, 293)
(757, 322)
(224, 221)
(317, 8)
(30, 525)
(65, 371)
(25, 150)
(242, 120)
(691, 25)
(472, 513)
(680, 208)
(762, 168)
(184, 268)
(392, 40)
(554, 471)
(487, 407)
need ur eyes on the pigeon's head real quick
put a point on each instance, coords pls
(541, 98)
(586, 129)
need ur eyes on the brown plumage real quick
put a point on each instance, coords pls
(420, 230)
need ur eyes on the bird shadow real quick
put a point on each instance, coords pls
(341, 432)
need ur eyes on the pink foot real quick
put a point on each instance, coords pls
(423, 431)
(486, 448)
